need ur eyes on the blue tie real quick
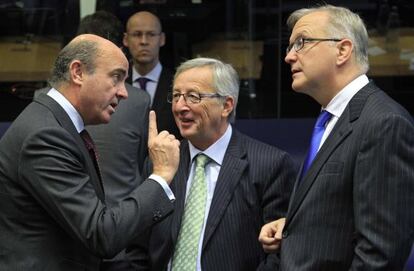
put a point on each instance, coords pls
(317, 134)
(142, 81)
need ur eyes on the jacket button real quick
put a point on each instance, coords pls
(285, 234)
(157, 216)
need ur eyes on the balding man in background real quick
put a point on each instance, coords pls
(144, 38)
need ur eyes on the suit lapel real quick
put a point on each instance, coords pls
(234, 164)
(341, 131)
(179, 187)
(64, 120)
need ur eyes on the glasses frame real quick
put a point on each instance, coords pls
(301, 41)
(188, 100)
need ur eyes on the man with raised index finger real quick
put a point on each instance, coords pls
(53, 214)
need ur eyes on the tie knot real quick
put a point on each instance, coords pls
(201, 160)
(323, 118)
(142, 81)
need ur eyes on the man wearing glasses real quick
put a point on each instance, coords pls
(144, 38)
(221, 205)
(352, 204)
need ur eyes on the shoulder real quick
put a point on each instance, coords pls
(257, 150)
(136, 96)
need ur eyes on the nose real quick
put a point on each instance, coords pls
(180, 105)
(122, 93)
(144, 39)
(290, 56)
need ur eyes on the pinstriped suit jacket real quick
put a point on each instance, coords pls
(354, 208)
(253, 187)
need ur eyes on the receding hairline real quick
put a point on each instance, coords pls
(147, 14)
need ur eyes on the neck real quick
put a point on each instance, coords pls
(329, 91)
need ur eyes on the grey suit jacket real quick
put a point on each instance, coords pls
(253, 188)
(122, 145)
(53, 216)
(353, 210)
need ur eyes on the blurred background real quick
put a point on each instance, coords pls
(249, 34)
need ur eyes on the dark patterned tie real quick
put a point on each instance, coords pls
(317, 134)
(142, 81)
(90, 146)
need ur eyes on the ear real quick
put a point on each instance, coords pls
(228, 106)
(344, 53)
(125, 40)
(76, 73)
(162, 39)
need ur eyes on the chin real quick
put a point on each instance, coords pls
(297, 88)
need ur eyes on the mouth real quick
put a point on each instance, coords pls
(185, 121)
(112, 107)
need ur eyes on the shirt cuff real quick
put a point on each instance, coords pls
(164, 185)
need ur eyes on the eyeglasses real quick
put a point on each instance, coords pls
(190, 97)
(140, 35)
(299, 43)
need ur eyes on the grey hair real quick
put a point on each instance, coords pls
(85, 51)
(343, 24)
(225, 78)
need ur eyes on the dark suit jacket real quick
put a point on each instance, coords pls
(165, 118)
(253, 187)
(53, 215)
(122, 144)
(353, 210)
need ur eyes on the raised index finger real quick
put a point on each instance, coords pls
(152, 126)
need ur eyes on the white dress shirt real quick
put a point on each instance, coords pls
(153, 75)
(338, 104)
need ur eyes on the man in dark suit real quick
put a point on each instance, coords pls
(121, 143)
(144, 38)
(352, 208)
(53, 213)
(247, 182)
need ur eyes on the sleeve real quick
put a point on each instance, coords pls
(53, 170)
(383, 195)
(275, 200)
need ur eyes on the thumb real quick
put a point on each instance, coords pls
(152, 126)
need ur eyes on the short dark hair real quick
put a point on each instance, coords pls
(103, 24)
(85, 51)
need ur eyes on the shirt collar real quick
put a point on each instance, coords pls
(216, 151)
(68, 107)
(153, 75)
(338, 104)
